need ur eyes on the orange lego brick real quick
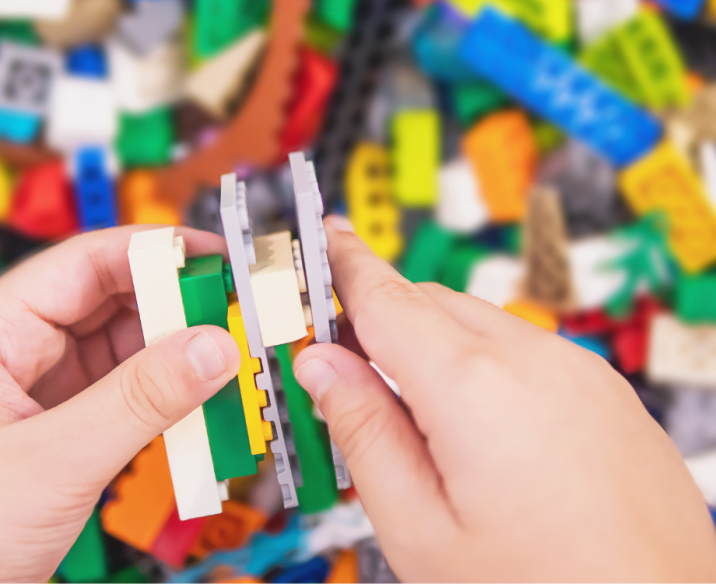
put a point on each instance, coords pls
(503, 154)
(665, 181)
(230, 530)
(139, 201)
(345, 569)
(144, 499)
(534, 313)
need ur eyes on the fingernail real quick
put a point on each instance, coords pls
(316, 376)
(340, 223)
(205, 357)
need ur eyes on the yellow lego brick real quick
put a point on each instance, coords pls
(253, 399)
(711, 9)
(537, 314)
(6, 190)
(664, 181)
(371, 208)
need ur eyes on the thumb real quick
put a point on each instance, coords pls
(91, 437)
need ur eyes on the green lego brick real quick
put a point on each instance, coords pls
(475, 99)
(336, 13)
(145, 139)
(203, 290)
(321, 36)
(219, 23)
(130, 575)
(319, 491)
(696, 298)
(654, 60)
(428, 253)
(18, 31)
(459, 265)
(87, 559)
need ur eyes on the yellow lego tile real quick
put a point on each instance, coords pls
(253, 399)
(665, 181)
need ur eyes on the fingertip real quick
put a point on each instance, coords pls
(339, 223)
(213, 354)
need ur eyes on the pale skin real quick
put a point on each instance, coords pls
(514, 455)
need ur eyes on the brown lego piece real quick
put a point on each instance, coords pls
(23, 156)
(252, 137)
(548, 279)
(86, 21)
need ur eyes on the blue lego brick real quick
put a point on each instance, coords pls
(314, 570)
(552, 85)
(18, 126)
(94, 190)
(593, 344)
(685, 9)
(87, 61)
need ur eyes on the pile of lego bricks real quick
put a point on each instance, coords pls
(555, 158)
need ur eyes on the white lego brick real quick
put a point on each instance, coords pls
(497, 280)
(707, 158)
(48, 9)
(597, 17)
(460, 204)
(141, 83)
(154, 259)
(681, 354)
(82, 111)
(214, 84)
(275, 287)
(593, 281)
(703, 469)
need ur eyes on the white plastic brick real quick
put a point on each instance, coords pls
(460, 204)
(154, 259)
(597, 17)
(497, 280)
(47, 9)
(707, 158)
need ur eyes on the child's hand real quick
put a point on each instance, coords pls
(515, 455)
(68, 321)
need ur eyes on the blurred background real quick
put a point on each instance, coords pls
(556, 158)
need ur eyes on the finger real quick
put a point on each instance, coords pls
(347, 337)
(83, 443)
(387, 457)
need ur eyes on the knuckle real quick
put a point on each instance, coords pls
(361, 425)
(144, 394)
(394, 290)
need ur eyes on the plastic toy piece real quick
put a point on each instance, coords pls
(537, 314)
(595, 18)
(237, 229)
(503, 155)
(146, 139)
(696, 298)
(18, 126)
(150, 23)
(27, 77)
(34, 8)
(649, 50)
(276, 291)
(428, 252)
(219, 23)
(686, 9)
(415, 157)
(681, 354)
(217, 81)
(87, 61)
(86, 21)
(460, 207)
(545, 240)
(260, 117)
(696, 44)
(139, 201)
(177, 538)
(496, 280)
(203, 291)
(87, 559)
(372, 565)
(94, 189)
(230, 530)
(371, 207)
(663, 181)
(688, 420)
(345, 568)
(548, 82)
(154, 259)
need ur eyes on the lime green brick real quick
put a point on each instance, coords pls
(319, 491)
(416, 157)
(145, 139)
(605, 59)
(203, 291)
(474, 100)
(219, 23)
(87, 559)
(428, 253)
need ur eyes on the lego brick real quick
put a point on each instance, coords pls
(143, 499)
(149, 23)
(139, 201)
(475, 99)
(372, 565)
(549, 83)
(18, 126)
(43, 206)
(460, 205)
(219, 80)
(82, 111)
(313, 570)
(319, 491)
(536, 314)
(345, 568)
(7, 185)
(681, 354)
(86, 21)
(428, 251)
(707, 160)
(253, 399)
(503, 155)
(94, 189)
(548, 279)
(237, 229)
(154, 259)
(34, 8)
(177, 538)
(649, 51)
(364, 54)
(696, 298)
(459, 265)
(87, 61)
(230, 530)
(203, 291)
(145, 139)
(145, 82)
(87, 559)
(27, 78)
(278, 299)
(592, 344)
(595, 18)
(261, 116)
(548, 137)
(19, 31)
(663, 181)
(415, 156)
(686, 9)
(696, 44)
(336, 13)
(689, 420)
(496, 279)
(219, 23)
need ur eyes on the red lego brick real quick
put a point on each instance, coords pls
(176, 539)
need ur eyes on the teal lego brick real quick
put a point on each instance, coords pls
(428, 252)
(319, 491)
(203, 289)
(87, 559)
(696, 298)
